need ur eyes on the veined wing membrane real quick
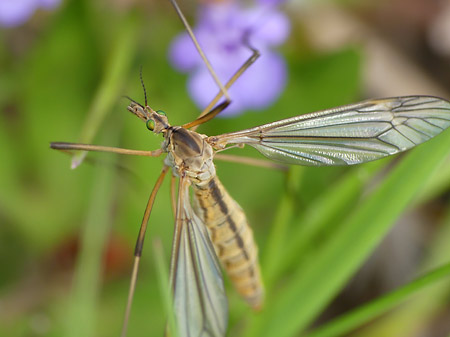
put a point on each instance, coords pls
(200, 303)
(347, 135)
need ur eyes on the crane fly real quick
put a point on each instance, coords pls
(211, 229)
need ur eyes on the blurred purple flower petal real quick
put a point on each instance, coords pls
(16, 12)
(275, 28)
(271, 2)
(264, 82)
(49, 4)
(183, 54)
(221, 31)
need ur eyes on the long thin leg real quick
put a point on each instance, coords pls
(173, 196)
(223, 91)
(88, 147)
(121, 168)
(251, 161)
(139, 246)
(209, 113)
(177, 231)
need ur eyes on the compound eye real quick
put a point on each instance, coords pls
(150, 124)
(160, 112)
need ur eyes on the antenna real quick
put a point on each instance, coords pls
(132, 100)
(143, 85)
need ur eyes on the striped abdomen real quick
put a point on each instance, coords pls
(232, 238)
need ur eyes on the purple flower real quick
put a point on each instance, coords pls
(220, 31)
(16, 12)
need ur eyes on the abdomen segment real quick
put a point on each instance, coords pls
(232, 238)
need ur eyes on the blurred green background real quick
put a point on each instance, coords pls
(67, 236)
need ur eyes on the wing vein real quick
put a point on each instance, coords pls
(349, 134)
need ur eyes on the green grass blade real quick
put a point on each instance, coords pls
(279, 231)
(422, 310)
(436, 185)
(164, 287)
(312, 222)
(111, 85)
(81, 316)
(364, 314)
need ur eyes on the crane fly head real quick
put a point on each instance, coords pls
(156, 121)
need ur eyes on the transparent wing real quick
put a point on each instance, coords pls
(347, 135)
(200, 303)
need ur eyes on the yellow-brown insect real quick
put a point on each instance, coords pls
(217, 226)
(212, 225)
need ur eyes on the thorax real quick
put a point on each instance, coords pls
(189, 154)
